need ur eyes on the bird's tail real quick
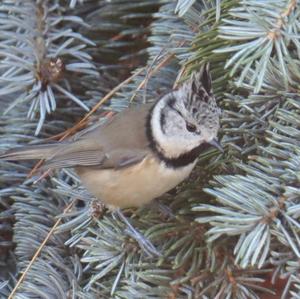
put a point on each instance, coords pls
(31, 152)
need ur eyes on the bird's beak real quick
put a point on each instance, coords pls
(215, 143)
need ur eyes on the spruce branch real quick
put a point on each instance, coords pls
(259, 206)
(257, 31)
(20, 280)
(206, 41)
(39, 49)
(14, 130)
(218, 279)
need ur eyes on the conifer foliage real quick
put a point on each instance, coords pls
(223, 232)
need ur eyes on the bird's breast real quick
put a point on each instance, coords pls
(135, 185)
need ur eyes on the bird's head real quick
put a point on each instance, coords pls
(186, 118)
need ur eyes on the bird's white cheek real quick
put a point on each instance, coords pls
(171, 147)
(191, 143)
(174, 147)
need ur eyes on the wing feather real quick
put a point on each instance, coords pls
(119, 143)
(83, 158)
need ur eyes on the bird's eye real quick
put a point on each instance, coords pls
(191, 127)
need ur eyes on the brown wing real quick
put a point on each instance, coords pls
(118, 143)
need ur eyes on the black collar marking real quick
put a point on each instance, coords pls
(182, 160)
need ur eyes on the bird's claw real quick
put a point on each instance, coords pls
(144, 243)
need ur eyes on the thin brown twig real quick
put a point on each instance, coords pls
(60, 135)
(153, 71)
(275, 33)
(160, 65)
(43, 175)
(69, 206)
(35, 168)
(180, 74)
(148, 71)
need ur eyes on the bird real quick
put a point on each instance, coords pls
(141, 152)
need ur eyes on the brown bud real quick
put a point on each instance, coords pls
(51, 71)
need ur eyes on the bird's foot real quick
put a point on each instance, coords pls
(163, 209)
(144, 243)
